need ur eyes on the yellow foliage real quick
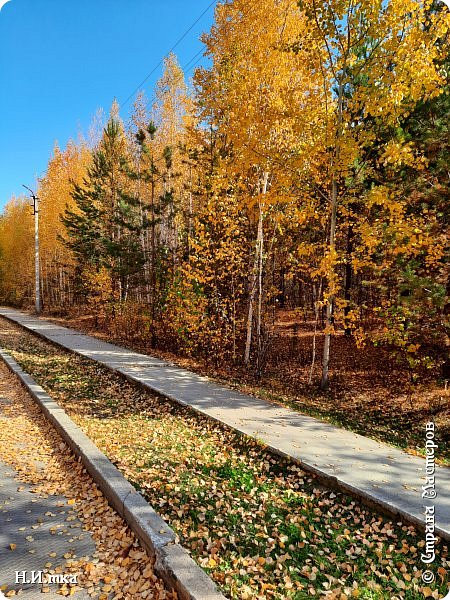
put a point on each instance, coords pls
(17, 252)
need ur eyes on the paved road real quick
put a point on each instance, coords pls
(378, 472)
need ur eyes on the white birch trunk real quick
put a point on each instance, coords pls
(256, 278)
(332, 243)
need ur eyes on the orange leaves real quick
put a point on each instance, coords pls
(258, 98)
(258, 524)
(106, 571)
(399, 154)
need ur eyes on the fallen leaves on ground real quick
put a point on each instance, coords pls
(261, 527)
(119, 569)
(368, 392)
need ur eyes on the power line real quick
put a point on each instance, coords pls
(180, 39)
(199, 53)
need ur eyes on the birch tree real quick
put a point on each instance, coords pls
(375, 68)
(253, 96)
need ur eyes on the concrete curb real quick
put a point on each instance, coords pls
(172, 563)
(372, 500)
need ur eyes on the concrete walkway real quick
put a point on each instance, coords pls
(368, 469)
(29, 523)
(37, 530)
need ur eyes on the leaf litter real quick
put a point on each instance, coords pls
(261, 526)
(119, 568)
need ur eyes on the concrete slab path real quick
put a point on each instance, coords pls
(36, 529)
(371, 470)
(29, 524)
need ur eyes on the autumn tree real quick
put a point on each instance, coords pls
(384, 42)
(57, 265)
(171, 102)
(17, 252)
(252, 97)
(404, 243)
(204, 306)
(103, 229)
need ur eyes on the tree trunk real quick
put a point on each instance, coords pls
(317, 295)
(252, 294)
(348, 279)
(256, 280)
(259, 340)
(332, 243)
(153, 263)
(329, 311)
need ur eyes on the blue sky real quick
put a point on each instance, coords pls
(60, 60)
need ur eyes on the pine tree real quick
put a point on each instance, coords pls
(103, 230)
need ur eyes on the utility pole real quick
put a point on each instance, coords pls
(36, 249)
